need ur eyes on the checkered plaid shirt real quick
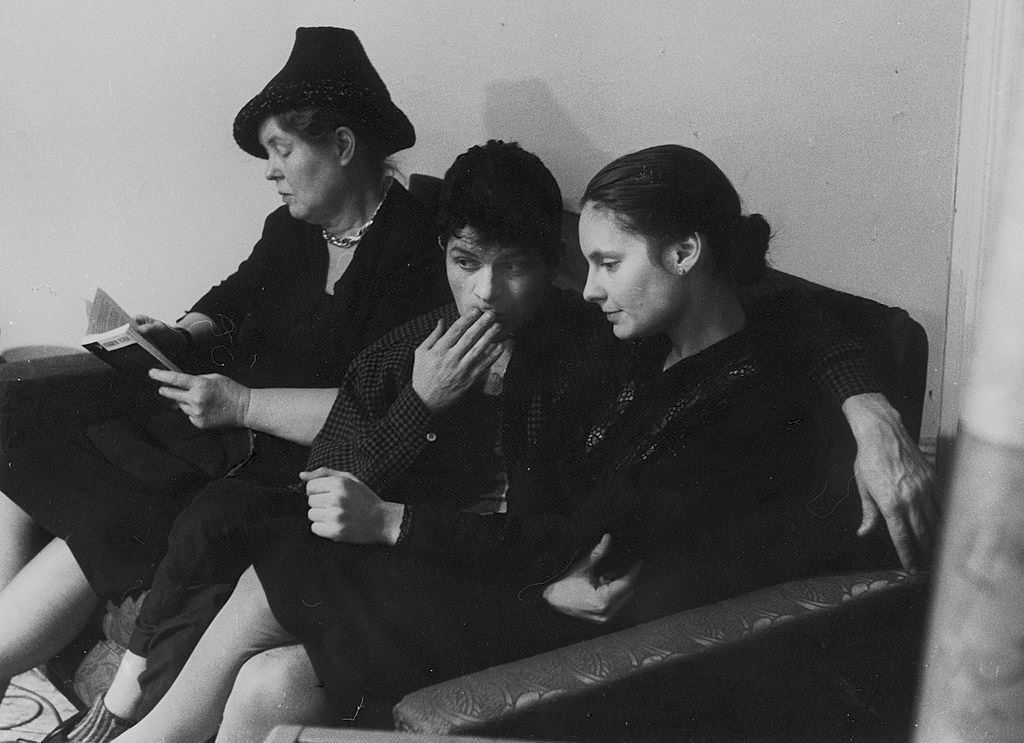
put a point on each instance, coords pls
(563, 363)
(836, 361)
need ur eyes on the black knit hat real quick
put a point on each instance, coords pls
(327, 67)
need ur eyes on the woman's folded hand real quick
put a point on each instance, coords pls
(583, 594)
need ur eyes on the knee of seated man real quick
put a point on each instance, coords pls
(215, 511)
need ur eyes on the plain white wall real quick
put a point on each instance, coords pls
(836, 121)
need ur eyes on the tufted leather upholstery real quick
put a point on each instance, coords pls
(560, 692)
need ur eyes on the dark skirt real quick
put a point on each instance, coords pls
(384, 622)
(113, 490)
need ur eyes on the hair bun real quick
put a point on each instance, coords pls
(746, 262)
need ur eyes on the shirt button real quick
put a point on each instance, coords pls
(431, 437)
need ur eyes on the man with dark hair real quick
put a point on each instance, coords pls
(505, 194)
(441, 410)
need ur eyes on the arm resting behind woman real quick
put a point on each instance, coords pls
(893, 478)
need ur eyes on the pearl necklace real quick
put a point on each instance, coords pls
(350, 241)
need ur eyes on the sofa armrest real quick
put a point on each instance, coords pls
(44, 395)
(493, 698)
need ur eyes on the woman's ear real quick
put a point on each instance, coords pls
(680, 257)
(345, 141)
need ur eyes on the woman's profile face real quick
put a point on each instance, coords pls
(309, 176)
(638, 297)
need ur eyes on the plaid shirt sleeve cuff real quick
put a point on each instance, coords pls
(405, 526)
(845, 374)
(426, 530)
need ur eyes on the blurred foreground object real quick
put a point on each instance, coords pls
(973, 679)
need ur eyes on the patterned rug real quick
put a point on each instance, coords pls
(32, 708)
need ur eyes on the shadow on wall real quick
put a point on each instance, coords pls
(525, 111)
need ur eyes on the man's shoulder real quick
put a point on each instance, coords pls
(573, 347)
(404, 232)
(567, 307)
(566, 316)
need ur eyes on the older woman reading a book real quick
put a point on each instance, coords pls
(347, 257)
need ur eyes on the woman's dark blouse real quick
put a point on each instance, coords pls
(704, 471)
(284, 330)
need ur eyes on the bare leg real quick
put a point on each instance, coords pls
(42, 609)
(20, 539)
(276, 687)
(192, 708)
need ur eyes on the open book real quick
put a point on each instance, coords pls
(114, 337)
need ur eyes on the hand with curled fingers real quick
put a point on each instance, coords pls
(896, 483)
(343, 509)
(209, 400)
(583, 594)
(448, 362)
